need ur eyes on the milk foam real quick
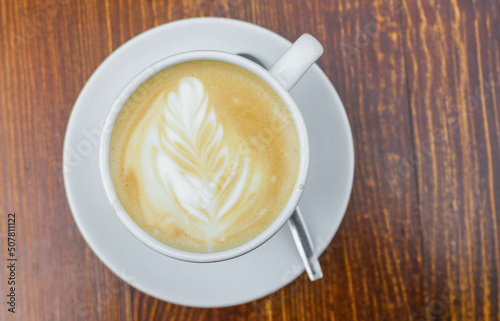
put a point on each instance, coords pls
(192, 163)
(178, 166)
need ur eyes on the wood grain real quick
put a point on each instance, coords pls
(454, 81)
(420, 81)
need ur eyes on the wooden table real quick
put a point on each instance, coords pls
(420, 80)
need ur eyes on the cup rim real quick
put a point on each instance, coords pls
(135, 229)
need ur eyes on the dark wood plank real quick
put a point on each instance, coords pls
(453, 57)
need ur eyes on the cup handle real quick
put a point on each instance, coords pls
(294, 63)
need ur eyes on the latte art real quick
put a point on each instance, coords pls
(202, 176)
(204, 156)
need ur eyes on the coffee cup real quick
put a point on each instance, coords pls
(178, 158)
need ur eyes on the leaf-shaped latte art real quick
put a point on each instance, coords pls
(205, 179)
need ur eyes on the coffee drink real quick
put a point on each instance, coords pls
(204, 156)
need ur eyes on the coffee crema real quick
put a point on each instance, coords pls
(204, 156)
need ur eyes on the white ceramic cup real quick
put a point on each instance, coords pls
(282, 76)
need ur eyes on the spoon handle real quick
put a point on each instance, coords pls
(305, 245)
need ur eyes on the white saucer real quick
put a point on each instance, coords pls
(251, 276)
